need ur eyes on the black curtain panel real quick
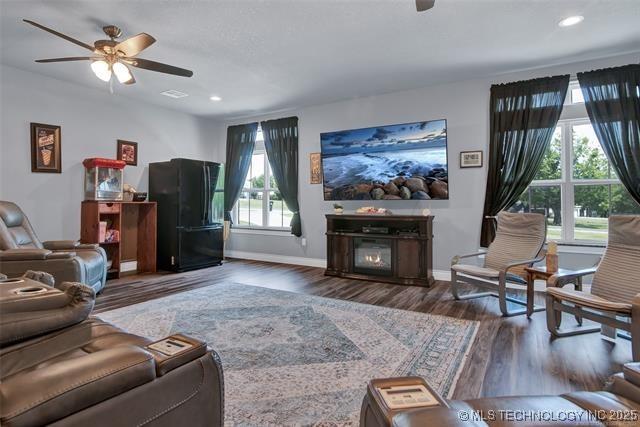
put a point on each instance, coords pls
(281, 144)
(241, 140)
(523, 117)
(612, 98)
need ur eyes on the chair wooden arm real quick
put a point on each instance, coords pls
(456, 259)
(523, 262)
(568, 277)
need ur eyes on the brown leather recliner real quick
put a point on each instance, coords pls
(62, 368)
(618, 404)
(66, 260)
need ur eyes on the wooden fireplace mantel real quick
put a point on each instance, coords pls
(409, 236)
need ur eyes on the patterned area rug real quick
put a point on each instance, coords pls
(294, 359)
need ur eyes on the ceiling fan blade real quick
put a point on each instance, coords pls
(64, 36)
(134, 45)
(422, 5)
(158, 66)
(70, 58)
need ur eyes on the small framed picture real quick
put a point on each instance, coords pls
(46, 148)
(316, 168)
(471, 159)
(128, 151)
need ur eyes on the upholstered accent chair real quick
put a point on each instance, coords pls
(519, 240)
(66, 260)
(614, 300)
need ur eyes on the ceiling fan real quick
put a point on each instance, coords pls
(114, 57)
(422, 5)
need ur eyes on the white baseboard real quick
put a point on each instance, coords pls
(281, 259)
(309, 262)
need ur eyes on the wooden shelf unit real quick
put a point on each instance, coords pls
(410, 238)
(136, 223)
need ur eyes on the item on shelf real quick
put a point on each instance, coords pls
(139, 196)
(337, 208)
(103, 179)
(372, 210)
(112, 236)
(103, 231)
(426, 212)
(128, 193)
(375, 230)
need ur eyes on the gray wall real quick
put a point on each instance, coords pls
(92, 121)
(457, 220)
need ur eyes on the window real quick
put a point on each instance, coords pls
(576, 187)
(260, 205)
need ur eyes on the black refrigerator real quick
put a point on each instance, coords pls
(190, 198)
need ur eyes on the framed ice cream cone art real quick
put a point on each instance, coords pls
(46, 148)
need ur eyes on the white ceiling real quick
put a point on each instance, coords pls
(262, 56)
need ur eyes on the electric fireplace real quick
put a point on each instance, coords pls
(372, 256)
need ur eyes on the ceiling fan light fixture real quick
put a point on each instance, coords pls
(102, 70)
(122, 72)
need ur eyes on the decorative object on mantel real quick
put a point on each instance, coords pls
(426, 212)
(316, 168)
(103, 179)
(128, 152)
(471, 159)
(46, 148)
(552, 257)
(372, 210)
(337, 208)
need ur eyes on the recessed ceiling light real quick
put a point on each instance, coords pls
(572, 20)
(215, 98)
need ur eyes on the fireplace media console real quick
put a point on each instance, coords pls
(382, 248)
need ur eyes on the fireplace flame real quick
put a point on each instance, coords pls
(375, 260)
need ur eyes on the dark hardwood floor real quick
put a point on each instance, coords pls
(510, 355)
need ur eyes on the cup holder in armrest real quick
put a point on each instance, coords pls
(18, 280)
(31, 290)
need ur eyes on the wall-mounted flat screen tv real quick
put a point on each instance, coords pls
(395, 162)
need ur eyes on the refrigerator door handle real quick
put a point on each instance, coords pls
(207, 199)
(204, 194)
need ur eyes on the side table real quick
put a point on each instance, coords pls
(562, 277)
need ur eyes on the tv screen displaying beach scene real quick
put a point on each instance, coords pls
(394, 162)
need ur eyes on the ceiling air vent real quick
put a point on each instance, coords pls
(174, 93)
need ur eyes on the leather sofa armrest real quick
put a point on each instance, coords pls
(60, 245)
(24, 254)
(33, 255)
(166, 363)
(25, 316)
(41, 396)
(437, 416)
(86, 246)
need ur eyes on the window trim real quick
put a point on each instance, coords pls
(259, 149)
(567, 182)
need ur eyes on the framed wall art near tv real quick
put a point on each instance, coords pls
(391, 162)
(128, 151)
(46, 148)
(316, 168)
(471, 159)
